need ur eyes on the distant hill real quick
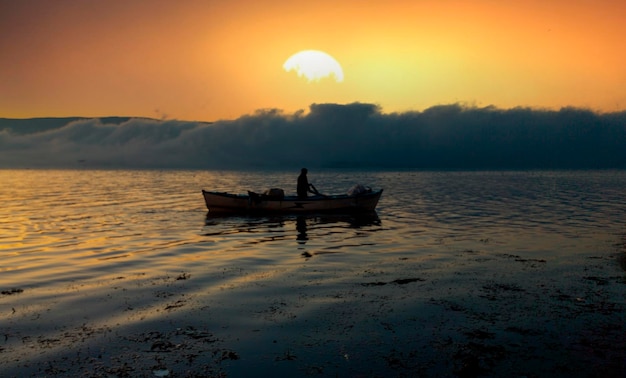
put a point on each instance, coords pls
(35, 125)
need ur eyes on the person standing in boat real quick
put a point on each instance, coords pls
(303, 184)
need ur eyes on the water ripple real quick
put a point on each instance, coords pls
(114, 221)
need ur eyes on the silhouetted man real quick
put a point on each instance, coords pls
(303, 184)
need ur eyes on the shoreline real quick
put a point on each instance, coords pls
(476, 313)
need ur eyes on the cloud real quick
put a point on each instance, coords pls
(356, 135)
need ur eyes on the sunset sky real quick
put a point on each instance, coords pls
(212, 60)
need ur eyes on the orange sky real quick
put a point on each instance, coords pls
(210, 60)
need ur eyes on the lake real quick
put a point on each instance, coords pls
(115, 272)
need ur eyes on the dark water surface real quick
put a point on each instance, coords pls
(404, 290)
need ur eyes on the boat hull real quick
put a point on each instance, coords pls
(218, 202)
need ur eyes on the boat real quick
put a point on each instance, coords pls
(222, 202)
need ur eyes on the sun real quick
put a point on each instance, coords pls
(314, 65)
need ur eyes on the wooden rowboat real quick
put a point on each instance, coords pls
(220, 202)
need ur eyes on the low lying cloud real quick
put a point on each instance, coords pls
(356, 135)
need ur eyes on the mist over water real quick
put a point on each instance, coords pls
(356, 135)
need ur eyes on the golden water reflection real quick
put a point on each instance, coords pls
(102, 261)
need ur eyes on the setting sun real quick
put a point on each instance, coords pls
(221, 60)
(314, 65)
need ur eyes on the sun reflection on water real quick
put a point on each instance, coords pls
(107, 258)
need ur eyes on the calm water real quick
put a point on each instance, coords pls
(61, 226)
(66, 237)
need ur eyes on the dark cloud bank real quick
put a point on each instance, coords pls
(329, 136)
